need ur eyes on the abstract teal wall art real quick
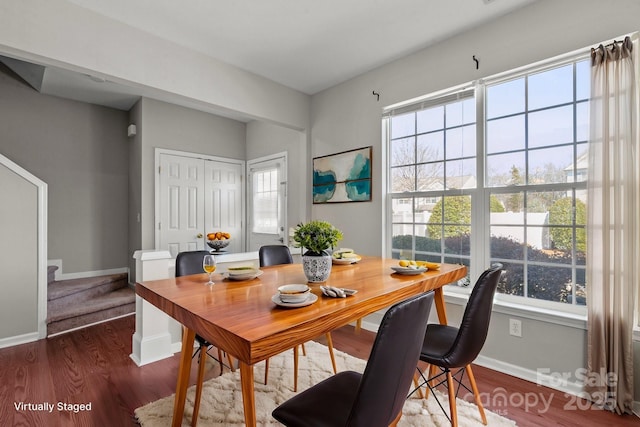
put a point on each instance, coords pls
(343, 177)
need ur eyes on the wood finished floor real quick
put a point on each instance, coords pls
(92, 366)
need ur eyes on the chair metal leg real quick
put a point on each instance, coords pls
(330, 347)
(476, 394)
(416, 384)
(200, 379)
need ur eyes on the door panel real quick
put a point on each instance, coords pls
(223, 201)
(181, 203)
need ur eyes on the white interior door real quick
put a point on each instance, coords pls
(267, 190)
(223, 201)
(181, 204)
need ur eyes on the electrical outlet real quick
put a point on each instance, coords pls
(515, 327)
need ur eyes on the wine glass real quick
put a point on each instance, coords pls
(209, 266)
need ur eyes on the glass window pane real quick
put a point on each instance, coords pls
(551, 165)
(430, 119)
(403, 151)
(403, 179)
(500, 168)
(582, 121)
(462, 112)
(430, 176)
(505, 134)
(461, 142)
(583, 80)
(549, 283)
(551, 87)
(461, 174)
(512, 280)
(551, 127)
(403, 125)
(505, 98)
(430, 147)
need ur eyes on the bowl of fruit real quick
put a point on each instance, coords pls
(218, 240)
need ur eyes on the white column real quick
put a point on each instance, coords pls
(157, 335)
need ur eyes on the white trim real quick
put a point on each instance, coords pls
(42, 276)
(19, 339)
(525, 311)
(59, 275)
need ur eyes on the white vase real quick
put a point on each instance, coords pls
(316, 267)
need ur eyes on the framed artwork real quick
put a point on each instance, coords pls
(343, 177)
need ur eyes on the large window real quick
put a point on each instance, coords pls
(497, 174)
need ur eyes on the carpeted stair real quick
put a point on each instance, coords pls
(80, 302)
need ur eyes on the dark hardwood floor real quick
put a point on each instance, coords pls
(92, 367)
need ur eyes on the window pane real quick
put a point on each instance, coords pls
(582, 121)
(505, 134)
(430, 176)
(500, 169)
(549, 283)
(459, 113)
(461, 142)
(512, 280)
(403, 179)
(431, 147)
(552, 87)
(403, 125)
(551, 165)
(583, 80)
(430, 119)
(265, 201)
(551, 127)
(505, 98)
(461, 174)
(403, 151)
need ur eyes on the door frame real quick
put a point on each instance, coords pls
(156, 215)
(285, 194)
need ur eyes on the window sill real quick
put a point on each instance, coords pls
(540, 314)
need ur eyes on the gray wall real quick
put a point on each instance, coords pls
(18, 255)
(348, 116)
(264, 139)
(163, 125)
(81, 152)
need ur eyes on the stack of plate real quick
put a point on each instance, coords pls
(243, 273)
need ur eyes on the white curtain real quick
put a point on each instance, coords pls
(612, 226)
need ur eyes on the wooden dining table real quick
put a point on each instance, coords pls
(241, 318)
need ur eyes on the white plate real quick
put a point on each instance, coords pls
(310, 300)
(246, 276)
(342, 261)
(409, 271)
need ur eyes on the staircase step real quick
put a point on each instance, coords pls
(100, 308)
(89, 286)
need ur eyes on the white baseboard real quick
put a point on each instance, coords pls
(19, 339)
(59, 275)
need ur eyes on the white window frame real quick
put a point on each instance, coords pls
(561, 313)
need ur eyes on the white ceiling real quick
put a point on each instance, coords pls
(308, 45)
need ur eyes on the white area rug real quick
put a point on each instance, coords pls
(221, 403)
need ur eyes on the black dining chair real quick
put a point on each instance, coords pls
(375, 397)
(453, 349)
(270, 255)
(190, 262)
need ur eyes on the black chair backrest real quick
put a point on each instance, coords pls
(274, 255)
(189, 262)
(392, 363)
(474, 327)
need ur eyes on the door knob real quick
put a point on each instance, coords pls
(199, 236)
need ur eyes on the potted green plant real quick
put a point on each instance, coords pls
(317, 237)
